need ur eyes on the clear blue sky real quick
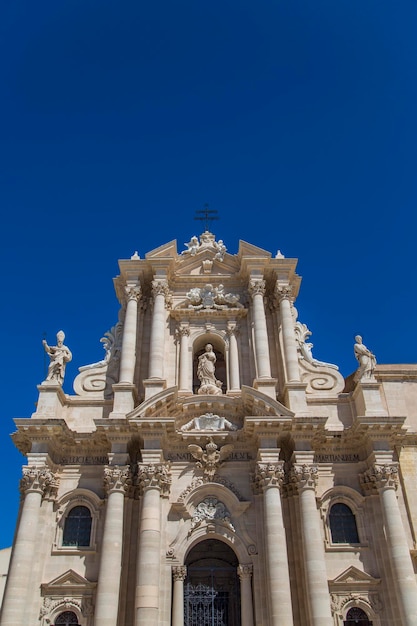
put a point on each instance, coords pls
(295, 120)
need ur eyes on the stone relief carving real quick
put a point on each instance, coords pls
(366, 360)
(210, 459)
(321, 377)
(208, 421)
(211, 509)
(59, 356)
(210, 297)
(98, 378)
(206, 373)
(40, 479)
(207, 240)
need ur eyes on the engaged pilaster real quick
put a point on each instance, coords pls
(383, 479)
(304, 477)
(234, 377)
(36, 484)
(245, 575)
(263, 381)
(154, 481)
(179, 574)
(268, 480)
(116, 482)
(185, 365)
(161, 296)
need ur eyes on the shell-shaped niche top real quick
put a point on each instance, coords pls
(206, 241)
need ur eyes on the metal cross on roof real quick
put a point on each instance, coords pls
(207, 216)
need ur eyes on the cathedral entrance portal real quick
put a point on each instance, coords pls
(212, 590)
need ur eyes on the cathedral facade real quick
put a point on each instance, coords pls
(209, 471)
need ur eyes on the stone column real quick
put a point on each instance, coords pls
(35, 484)
(156, 351)
(304, 477)
(384, 479)
(288, 333)
(246, 605)
(128, 357)
(184, 377)
(268, 479)
(154, 481)
(179, 574)
(108, 588)
(234, 378)
(263, 365)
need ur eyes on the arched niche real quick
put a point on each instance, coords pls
(219, 348)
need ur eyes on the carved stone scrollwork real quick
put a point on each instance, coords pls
(179, 572)
(304, 476)
(256, 287)
(161, 288)
(244, 571)
(133, 292)
(211, 509)
(268, 475)
(117, 479)
(40, 480)
(157, 475)
(379, 476)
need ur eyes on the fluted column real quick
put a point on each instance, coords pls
(268, 479)
(246, 605)
(154, 481)
(156, 352)
(179, 574)
(318, 599)
(384, 479)
(128, 357)
(35, 484)
(263, 365)
(107, 601)
(234, 378)
(185, 370)
(288, 334)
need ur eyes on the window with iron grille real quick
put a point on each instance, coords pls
(77, 528)
(343, 524)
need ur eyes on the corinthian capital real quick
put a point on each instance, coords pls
(161, 288)
(179, 572)
(133, 292)
(117, 479)
(245, 571)
(256, 287)
(40, 480)
(283, 292)
(304, 476)
(155, 475)
(379, 476)
(268, 475)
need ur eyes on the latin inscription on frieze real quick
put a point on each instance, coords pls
(336, 458)
(84, 460)
(186, 456)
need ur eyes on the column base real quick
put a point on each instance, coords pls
(295, 398)
(154, 386)
(268, 386)
(125, 400)
(51, 400)
(368, 400)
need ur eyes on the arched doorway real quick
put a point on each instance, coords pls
(68, 618)
(356, 617)
(212, 589)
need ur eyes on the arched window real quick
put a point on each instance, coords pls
(68, 618)
(343, 524)
(77, 528)
(356, 617)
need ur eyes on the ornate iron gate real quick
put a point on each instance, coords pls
(212, 599)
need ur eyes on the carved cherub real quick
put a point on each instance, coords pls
(210, 459)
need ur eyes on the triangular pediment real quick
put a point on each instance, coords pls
(247, 249)
(353, 575)
(168, 250)
(64, 582)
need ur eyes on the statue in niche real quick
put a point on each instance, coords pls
(366, 360)
(305, 348)
(59, 356)
(206, 372)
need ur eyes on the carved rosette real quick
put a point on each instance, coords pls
(117, 479)
(39, 480)
(268, 475)
(133, 292)
(244, 571)
(161, 288)
(304, 476)
(256, 287)
(179, 572)
(380, 476)
(156, 475)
